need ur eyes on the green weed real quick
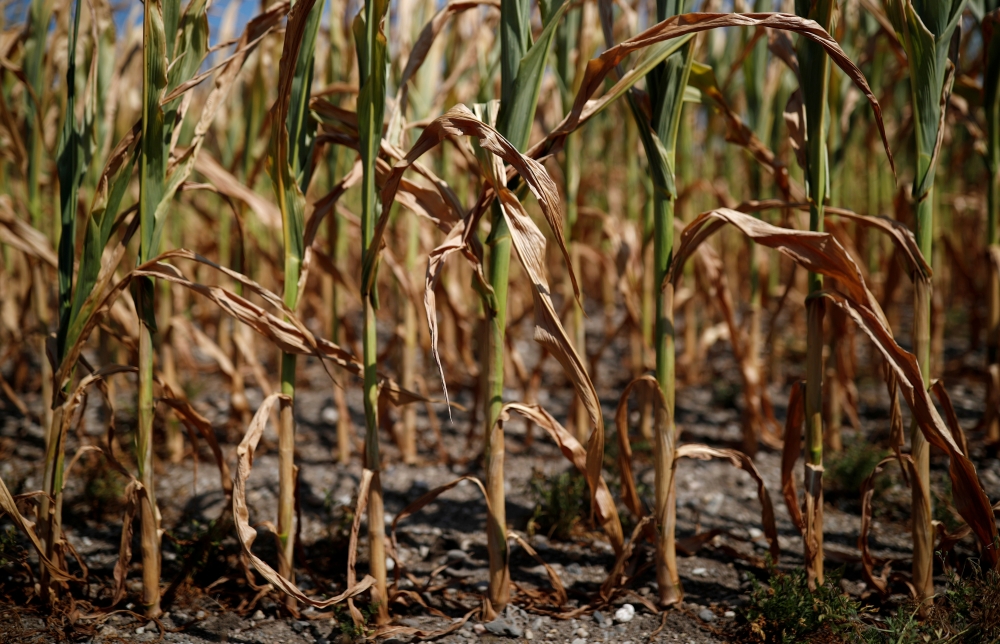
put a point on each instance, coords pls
(787, 612)
(560, 503)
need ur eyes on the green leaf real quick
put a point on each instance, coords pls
(302, 128)
(70, 167)
(517, 109)
(152, 157)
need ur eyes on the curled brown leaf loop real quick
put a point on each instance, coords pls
(247, 534)
(602, 502)
(970, 499)
(879, 582)
(738, 459)
(790, 453)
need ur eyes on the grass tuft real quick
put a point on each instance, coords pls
(560, 503)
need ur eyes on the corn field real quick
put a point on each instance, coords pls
(492, 318)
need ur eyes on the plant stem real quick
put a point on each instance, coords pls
(409, 365)
(923, 531)
(499, 243)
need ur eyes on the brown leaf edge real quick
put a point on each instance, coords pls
(247, 535)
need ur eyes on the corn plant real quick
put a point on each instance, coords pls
(372, 52)
(291, 145)
(926, 30)
(814, 83)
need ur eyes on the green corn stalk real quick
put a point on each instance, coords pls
(70, 166)
(152, 173)
(290, 176)
(522, 65)
(814, 66)
(373, 62)
(926, 28)
(991, 85)
(665, 84)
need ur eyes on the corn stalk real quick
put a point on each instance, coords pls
(152, 172)
(814, 85)
(373, 62)
(659, 134)
(291, 149)
(926, 30)
(70, 166)
(522, 65)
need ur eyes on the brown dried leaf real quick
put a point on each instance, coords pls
(230, 186)
(970, 499)
(868, 563)
(602, 501)
(247, 535)
(790, 453)
(744, 462)
(20, 235)
(599, 68)
(9, 505)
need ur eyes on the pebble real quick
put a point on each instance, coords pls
(713, 503)
(574, 569)
(257, 616)
(729, 614)
(330, 415)
(504, 628)
(625, 613)
(140, 630)
(201, 615)
(701, 572)
(579, 640)
(600, 618)
(581, 632)
(755, 533)
(706, 615)
(424, 551)
(528, 635)
(479, 629)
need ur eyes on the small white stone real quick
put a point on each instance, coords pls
(424, 551)
(140, 630)
(330, 415)
(625, 613)
(755, 533)
(730, 614)
(201, 614)
(701, 572)
(528, 635)
(581, 632)
(479, 629)
(257, 616)
(579, 640)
